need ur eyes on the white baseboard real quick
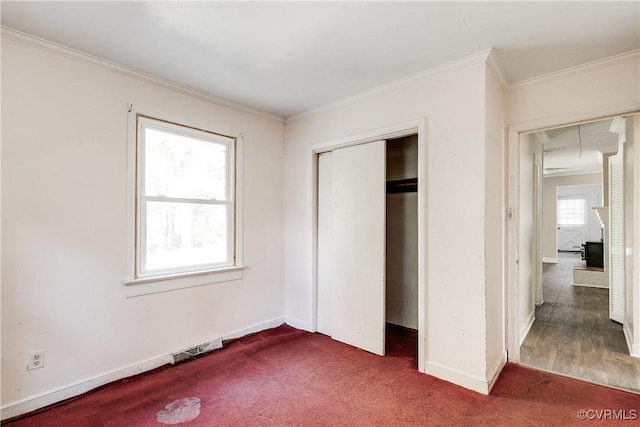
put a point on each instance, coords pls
(527, 327)
(273, 323)
(494, 373)
(634, 348)
(550, 260)
(32, 404)
(462, 379)
(299, 324)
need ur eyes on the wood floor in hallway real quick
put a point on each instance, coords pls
(573, 335)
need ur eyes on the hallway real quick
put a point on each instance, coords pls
(573, 335)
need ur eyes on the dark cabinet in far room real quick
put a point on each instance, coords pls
(593, 254)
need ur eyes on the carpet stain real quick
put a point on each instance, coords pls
(179, 411)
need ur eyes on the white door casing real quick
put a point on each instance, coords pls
(513, 215)
(537, 253)
(398, 130)
(631, 223)
(325, 214)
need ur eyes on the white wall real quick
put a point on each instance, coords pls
(605, 88)
(453, 103)
(530, 148)
(495, 224)
(64, 195)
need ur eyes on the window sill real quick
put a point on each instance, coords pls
(171, 282)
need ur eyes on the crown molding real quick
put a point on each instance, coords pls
(633, 55)
(449, 66)
(542, 136)
(77, 55)
(498, 72)
(617, 125)
(486, 55)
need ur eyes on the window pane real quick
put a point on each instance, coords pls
(571, 211)
(185, 234)
(179, 166)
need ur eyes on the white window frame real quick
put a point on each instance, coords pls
(147, 282)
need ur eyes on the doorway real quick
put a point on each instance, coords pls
(576, 218)
(368, 245)
(571, 332)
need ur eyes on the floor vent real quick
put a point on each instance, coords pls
(197, 350)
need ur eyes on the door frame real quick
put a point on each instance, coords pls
(512, 272)
(538, 179)
(399, 130)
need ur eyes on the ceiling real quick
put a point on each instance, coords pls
(289, 57)
(577, 149)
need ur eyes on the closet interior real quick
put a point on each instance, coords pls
(401, 299)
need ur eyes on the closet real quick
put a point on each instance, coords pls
(402, 233)
(367, 272)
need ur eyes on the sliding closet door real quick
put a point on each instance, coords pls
(358, 246)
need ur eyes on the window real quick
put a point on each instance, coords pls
(185, 199)
(571, 211)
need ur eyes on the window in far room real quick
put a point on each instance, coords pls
(571, 211)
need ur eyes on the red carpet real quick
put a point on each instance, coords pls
(287, 377)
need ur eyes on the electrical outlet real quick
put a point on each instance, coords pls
(36, 360)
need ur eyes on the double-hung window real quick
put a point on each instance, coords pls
(185, 199)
